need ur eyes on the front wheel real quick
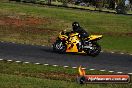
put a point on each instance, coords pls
(59, 46)
(96, 48)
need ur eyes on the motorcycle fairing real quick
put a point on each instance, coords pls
(63, 37)
(73, 40)
(72, 43)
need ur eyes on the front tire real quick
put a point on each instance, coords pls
(96, 48)
(59, 46)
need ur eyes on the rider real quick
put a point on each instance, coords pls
(76, 28)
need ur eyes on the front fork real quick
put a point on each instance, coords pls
(88, 45)
(79, 46)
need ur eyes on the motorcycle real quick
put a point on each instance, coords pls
(70, 42)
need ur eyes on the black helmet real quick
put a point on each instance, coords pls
(75, 24)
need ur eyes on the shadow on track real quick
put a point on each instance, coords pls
(50, 50)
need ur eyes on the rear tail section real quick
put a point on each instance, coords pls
(95, 37)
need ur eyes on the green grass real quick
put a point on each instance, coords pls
(20, 75)
(13, 81)
(97, 22)
(117, 29)
(117, 44)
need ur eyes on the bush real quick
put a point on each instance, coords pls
(16, 0)
(121, 9)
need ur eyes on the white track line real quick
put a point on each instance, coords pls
(119, 72)
(9, 60)
(102, 70)
(65, 66)
(17, 61)
(84, 68)
(91, 69)
(1, 59)
(37, 63)
(112, 52)
(111, 71)
(55, 65)
(46, 64)
(74, 67)
(130, 73)
(121, 53)
(130, 54)
(26, 62)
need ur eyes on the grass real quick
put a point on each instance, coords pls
(117, 44)
(31, 69)
(20, 75)
(98, 22)
(116, 29)
(13, 81)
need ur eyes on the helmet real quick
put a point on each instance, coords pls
(75, 26)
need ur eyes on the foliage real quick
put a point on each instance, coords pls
(121, 8)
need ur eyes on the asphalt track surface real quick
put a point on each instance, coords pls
(45, 55)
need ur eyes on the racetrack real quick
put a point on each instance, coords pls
(45, 55)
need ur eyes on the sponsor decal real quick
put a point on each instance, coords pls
(83, 78)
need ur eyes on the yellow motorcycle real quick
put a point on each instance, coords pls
(71, 42)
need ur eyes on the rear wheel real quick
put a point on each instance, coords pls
(59, 46)
(96, 48)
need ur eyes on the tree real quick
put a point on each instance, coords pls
(49, 2)
(131, 5)
(112, 4)
(64, 2)
(130, 1)
(121, 8)
(99, 4)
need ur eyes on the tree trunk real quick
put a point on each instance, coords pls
(49, 2)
